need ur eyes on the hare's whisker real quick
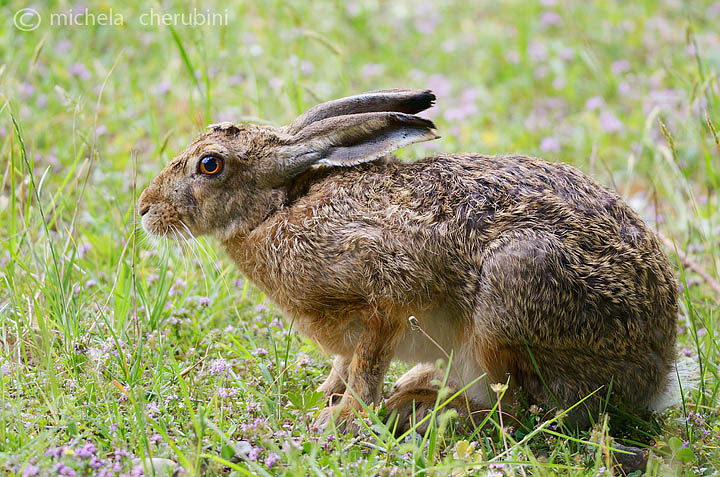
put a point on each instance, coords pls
(210, 254)
(196, 256)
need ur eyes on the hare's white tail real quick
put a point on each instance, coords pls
(683, 377)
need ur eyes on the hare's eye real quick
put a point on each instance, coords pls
(211, 165)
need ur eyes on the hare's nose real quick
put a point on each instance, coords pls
(144, 211)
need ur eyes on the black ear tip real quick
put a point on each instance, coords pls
(420, 101)
(416, 120)
(429, 123)
(430, 96)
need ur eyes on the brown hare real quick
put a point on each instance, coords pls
(528, 272)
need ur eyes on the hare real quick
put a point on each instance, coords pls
(528, 272)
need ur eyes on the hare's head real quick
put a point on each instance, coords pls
(233, 177)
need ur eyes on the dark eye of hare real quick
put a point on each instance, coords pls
(211, 165)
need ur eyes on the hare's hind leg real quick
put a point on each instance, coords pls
(415, 395)
(547, 330)
(410, 406)
(420, 376)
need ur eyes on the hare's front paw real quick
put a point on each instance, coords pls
(343, 417)
(334, 385)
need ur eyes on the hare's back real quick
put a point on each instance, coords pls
(493, 193)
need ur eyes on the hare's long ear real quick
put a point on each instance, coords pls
(352, 139)
(409, 101)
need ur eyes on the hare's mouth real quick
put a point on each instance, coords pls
(164, 225)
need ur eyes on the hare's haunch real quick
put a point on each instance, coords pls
(525, 270)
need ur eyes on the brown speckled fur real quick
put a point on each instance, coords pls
(503, 256)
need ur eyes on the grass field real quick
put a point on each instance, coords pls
(115, 348)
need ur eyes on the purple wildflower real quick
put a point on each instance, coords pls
(550, 144)
(609, 122)
(596, 102)
(620, 66)
(152, 409)
(261, 352)
(426, 19)
(122, 453)
(26, 89)
(566, 53)
(80, 70)
(253, 454)
(439, 84)
(62, 469)
(226, 392)
(271, 460)
(219, 366)
(353, 9)
(178, 287)
(86, 451)
(96, 463)
(275, 83)
(559, 82)
(549, 18)
(162, 88)
(260, 308)
(84, 248)
(155, 438)
(30, 470)
(204, 300)
(306, 67)
(537, 51)
(55, 452)
(5, 369)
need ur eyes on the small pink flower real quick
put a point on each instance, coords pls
(610, 123)
(596, 102)
(306, 67)
(549, 18)
(620, 66)
(550, 144)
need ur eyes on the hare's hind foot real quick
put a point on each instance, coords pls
(410, 406)
(420, 376)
